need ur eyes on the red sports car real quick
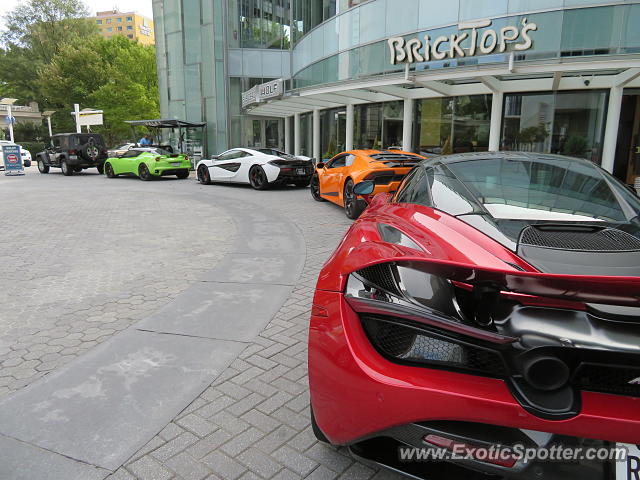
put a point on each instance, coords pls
(488, 309)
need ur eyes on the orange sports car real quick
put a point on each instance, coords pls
(335, 179)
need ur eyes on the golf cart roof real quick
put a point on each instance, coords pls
(165, 123)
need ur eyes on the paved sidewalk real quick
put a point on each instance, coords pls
(253, 422)
(84, 258)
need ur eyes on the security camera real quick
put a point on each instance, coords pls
(587, 82)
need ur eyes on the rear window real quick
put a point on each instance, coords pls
(81, 139)
(553, 189)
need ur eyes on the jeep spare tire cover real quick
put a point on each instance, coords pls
(90, 151)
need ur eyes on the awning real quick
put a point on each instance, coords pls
(165, 123)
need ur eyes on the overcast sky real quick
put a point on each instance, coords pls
(143, 7)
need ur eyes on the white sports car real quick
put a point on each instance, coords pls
(260, 168)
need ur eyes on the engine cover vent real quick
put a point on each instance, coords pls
(583, 239)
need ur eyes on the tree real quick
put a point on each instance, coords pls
(34, 33)
(114, 75)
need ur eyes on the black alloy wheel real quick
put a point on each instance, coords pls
(203, 175)
(143, 173)
(315, 188)
(352, 206)
(258, 178)
(108, 169)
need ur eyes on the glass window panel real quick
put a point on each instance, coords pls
(372, 59)
(401, 17)
(371, 15)
(592, 28)
(474, 9)
(567, 123)
(446, 13)
(453, 124)
(330, 32)
(378, 125)
(630, 32)
(172, 15)
(517, 6)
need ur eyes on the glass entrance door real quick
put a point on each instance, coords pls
(627, 163)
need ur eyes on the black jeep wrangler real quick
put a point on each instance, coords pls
(73, 152)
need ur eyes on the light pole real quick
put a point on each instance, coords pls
(8, 102)
(48, 114)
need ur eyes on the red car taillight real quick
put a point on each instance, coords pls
(73, 152)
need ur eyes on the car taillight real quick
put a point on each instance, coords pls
(73, 152)
(286, 170)
(157, 159)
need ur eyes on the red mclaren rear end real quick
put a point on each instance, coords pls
(431, 333)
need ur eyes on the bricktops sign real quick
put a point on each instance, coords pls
(264, 91)
(475, 43)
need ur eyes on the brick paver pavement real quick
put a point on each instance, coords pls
(253, 421)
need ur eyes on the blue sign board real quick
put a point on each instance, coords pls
(12, 160)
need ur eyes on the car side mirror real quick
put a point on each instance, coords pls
(364, 188)
(320, 165)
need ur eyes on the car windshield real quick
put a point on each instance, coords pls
(543, 188)
(123, 147)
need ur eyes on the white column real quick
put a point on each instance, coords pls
(407, 125)
(496, 121)
(296, 134)
(287, 134)
(349, 127)
(611, 132)
(317, 154)
(49, 125)
(10, 115)
(76, 114)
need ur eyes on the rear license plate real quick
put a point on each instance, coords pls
(629, 468)
(176, 164)
(300, 171)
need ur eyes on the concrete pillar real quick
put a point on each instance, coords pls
(407, 125)
(287, 134)
(349, 128)
(611, 132)
(495, 129)
(317, 154)
(296, 134)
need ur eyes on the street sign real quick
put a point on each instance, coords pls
(12, 160)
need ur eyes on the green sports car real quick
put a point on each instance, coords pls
(147, 164)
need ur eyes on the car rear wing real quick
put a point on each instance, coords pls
(608, 290)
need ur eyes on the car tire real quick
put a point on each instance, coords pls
(316, 429)
(315, 188)
(258, 178)
(100, 169)
(143, 173)
(77, 169)
(67, 171)
(353, 207)
(42, 167)
(108, 170)
(183, 174)
(203, 175)
(302, 183)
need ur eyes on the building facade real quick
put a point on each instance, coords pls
(558, 76)
(129, 24)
